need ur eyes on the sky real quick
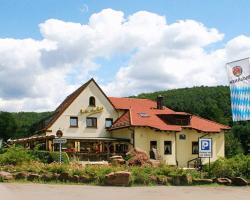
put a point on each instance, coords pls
(48, 48)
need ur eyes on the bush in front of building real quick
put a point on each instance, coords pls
(238, 165)
(43, 156)
(57, 168)
(55, 157)
(15, 155)
(49, 157)
(97, 173)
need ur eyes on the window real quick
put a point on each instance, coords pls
(108, 122)
(92, 101)
(182, 136)
(153, 144)
(167, 147)
(143, 114)
(121, 148)
(73, 121)
(195, 148)
(91, 122)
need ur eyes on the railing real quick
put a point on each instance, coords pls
(196, 163)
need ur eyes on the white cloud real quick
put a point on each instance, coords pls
(38, 74)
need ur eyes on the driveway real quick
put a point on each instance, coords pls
(14, 191)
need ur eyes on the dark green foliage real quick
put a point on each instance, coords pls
(8, 125)
(55, 157)
(17, 125)
(232, 145)
(43, 156)
(49, 156)
(236, 166)
(15, 155)
(25, 120)
(241, 131)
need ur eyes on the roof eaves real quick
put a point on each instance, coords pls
(66, 103)
(225, 126)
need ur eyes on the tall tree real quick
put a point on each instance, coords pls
(7, 125)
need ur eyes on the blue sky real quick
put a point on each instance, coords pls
(50, 47)
(20, 18)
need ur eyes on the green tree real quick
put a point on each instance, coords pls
(232, 145)
(241, 131)
(7, 125)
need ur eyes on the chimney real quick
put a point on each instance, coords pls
(159, 101)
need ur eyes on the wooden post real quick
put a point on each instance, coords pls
(76, 146)
(108, 151)
(114, 144)
(50, 147)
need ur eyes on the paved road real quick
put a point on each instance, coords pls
(13, 191)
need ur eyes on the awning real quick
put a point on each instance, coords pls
(31, 139)
(44, 137)
(103, 139)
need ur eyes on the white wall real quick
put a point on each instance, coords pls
(82, 102)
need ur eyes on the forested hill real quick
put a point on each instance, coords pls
(16, 125)
(208, 102)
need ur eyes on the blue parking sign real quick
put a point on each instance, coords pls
(205, 147)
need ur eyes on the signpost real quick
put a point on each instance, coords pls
(205, 149)
(60, 141)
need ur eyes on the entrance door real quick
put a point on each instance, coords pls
(153, 150)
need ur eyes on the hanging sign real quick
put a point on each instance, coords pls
(239, 81)
(59, 140)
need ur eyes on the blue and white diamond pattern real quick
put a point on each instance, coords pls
(240, 102)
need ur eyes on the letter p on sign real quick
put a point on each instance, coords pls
(205, 147)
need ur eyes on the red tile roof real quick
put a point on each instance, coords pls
(144, 112)
(123, 121)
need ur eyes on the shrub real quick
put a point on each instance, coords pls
(43, 156)
(49, 157)
(141, 175)
(55, 157)
(164, 170)
(236, 166)
(57, 168)
(15, 155)
(98, 172)
(34, 166)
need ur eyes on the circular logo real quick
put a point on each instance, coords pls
(59, 133)
(237, 71)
